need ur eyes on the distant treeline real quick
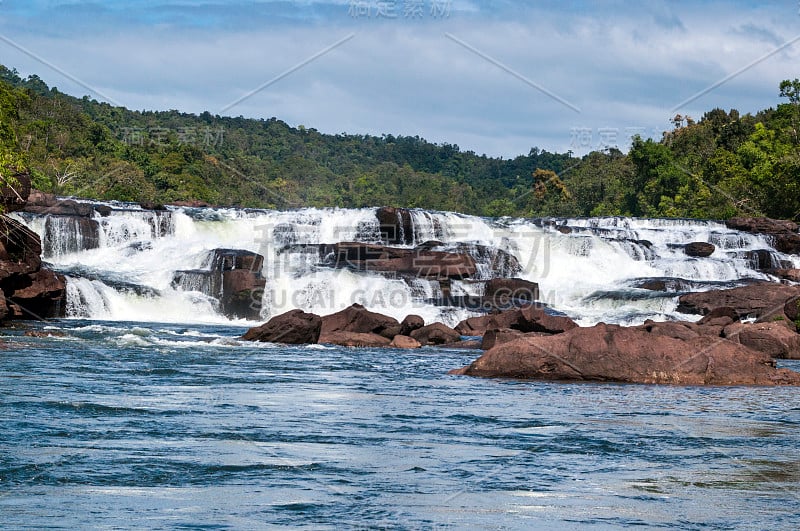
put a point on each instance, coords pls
(721, 165)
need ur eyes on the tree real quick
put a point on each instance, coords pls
(791, 90)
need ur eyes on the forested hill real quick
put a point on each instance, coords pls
(719, 166)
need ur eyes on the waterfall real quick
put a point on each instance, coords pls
(140, 265)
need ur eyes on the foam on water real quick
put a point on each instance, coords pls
(585, 270)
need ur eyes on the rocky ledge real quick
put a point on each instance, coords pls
(531, 343)
(29, 291)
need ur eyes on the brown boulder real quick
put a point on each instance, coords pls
(358, 319)
(535, 319)
(39, 295)
(293, 327)
(436, 334)
(411, 323)
(699, 249)
(632, 355)
(503, 291)
(354, 339)
(525, 319)
(773, 339)
(763, 299)
(784, 233)
(722, 316)
(406, 342)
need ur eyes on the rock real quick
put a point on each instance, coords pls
(58, 207)
(526, 319)
(20, 249)
(14, 191)
(411, 323)
(504, 290)
(535, 319)
(194, 203)
(417, 263)
(39, 295)
(773, 339)
(70, 234)
(242, 294)
(397, 225)
(150, 205)
(792, 275)
(44, 333)
(653, 285)
(436, 334)
(473, 326)
(699, 249)
(403, 341)
(763, 299)
(37, 198)
(358, 319)
(762, 259)
(722, 316)
(631, 355)
(784, 233)
(354, 339)
(293, 327)
(674, 329)
(499, 336)
(791, 308)
(234, 279)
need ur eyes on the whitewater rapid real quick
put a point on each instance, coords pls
(586, 268)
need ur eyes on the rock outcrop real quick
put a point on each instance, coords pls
(396, 225)
(611, 353)
(411, 323)
(233, 278)
(357, 319)
(699, 249)
(761, 300)
(294, 327)
(783, 233)
(526, 319)
(436, 334)
(416, 263)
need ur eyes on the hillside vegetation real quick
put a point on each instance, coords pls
(721, 165)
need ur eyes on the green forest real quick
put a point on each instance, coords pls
(721, 165)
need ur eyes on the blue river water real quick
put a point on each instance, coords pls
(141, 425)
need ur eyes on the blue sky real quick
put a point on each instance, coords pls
(495, 77)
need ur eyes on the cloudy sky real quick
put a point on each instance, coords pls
(494, 77)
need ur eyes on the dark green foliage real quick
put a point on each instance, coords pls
(723, 165)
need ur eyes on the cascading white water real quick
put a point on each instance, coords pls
(588, 270)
